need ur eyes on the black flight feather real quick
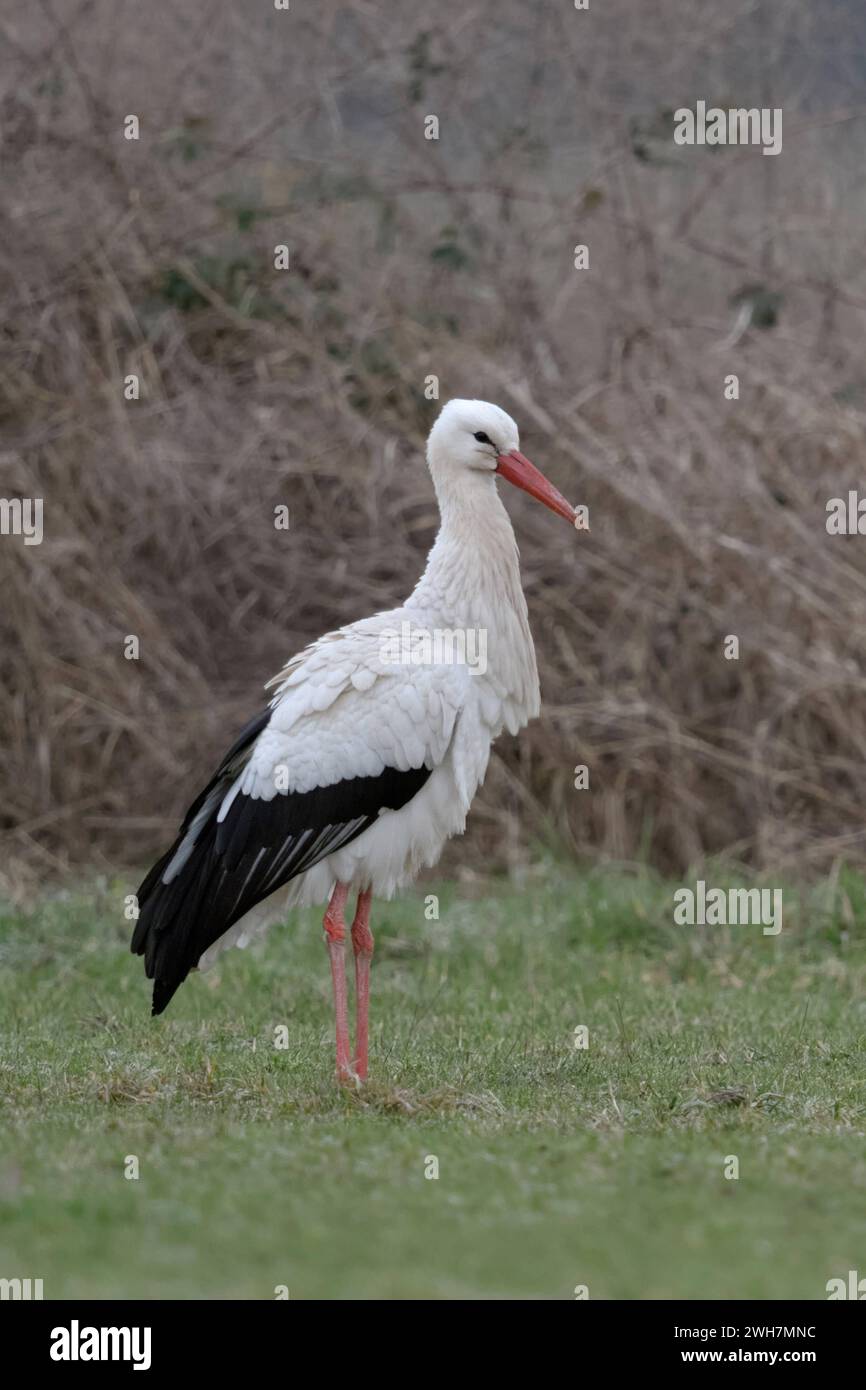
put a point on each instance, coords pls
(224, 869)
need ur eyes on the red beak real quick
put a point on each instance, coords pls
(517, 468)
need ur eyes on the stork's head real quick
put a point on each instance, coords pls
(477, 437)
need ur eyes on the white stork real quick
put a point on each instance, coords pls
(363, 765)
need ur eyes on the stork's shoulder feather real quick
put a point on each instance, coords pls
(342, 709)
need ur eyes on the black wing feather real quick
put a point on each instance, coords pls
(224, 869)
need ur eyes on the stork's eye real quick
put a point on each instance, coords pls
(482, 437)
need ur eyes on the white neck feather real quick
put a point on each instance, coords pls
(472, 580)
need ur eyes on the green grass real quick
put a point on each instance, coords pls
(557, 1166)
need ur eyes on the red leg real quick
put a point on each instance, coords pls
(335, 939)
(362, 944)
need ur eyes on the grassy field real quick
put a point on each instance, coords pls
(558, 1166)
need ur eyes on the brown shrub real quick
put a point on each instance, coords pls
(454, 258)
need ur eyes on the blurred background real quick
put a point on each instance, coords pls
(305, 388)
